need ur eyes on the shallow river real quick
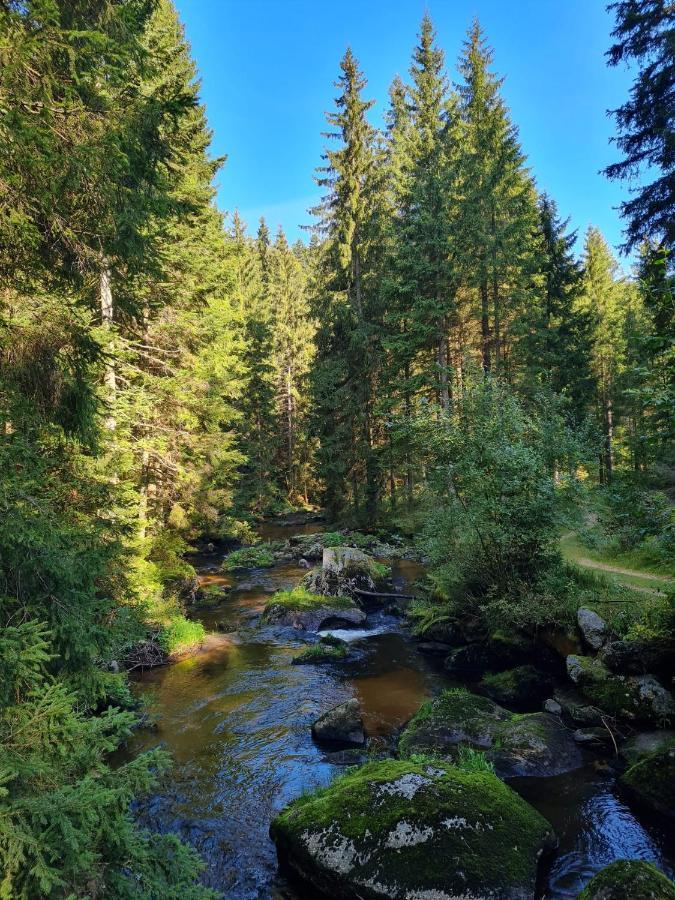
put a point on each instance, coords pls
(237, 719)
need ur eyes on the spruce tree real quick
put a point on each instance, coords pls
(645, 35)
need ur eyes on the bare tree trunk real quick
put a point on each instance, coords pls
(485, 326)
(107, 318)
(444, 390)
(289, 425)
(608, 416)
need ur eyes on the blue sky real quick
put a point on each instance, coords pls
(268, 67)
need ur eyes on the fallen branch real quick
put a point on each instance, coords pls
(382, 594)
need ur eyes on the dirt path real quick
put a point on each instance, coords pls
(605, 567)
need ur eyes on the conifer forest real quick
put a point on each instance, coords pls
(340, 566)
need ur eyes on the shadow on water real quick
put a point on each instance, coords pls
(237, 720)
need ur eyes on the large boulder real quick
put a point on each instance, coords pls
(645, 742)
(344, 571)
(523, 688)
(413, 831)
(639, 698)
(639, 657)
(650, 783)
(629, 879)
(593, 628)
(534, 744)
(309, 612)
(343, 724)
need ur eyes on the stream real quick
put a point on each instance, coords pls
(236, 718)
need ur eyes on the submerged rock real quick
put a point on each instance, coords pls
(533, 744)
(640, 698)
(413, 831)
(343, 724)
(593, 629)
(651, 783)
(629, 879)
(523, 688)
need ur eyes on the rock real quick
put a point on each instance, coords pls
(471, 662)
(644, 743)
(523, 688)
(629, 879)
(534, 744)
(639, 657)
(650, 783)
(593, 629)
(576, 711)
(413, 831)
(309, 612)
(114, 667)
(594, 738)
(640, 698)
(442, 632)
(304, 563)
(433, 648)
(343, 724)
(552, 706)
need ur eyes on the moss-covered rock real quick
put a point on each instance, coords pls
(534, 744)
(629, 879)
(651, 783)
(320, 653)
(302, 609)
(644, 743)
(256, 557)
(405, 830)
(640, 657)
(523, 688)
(640, 698)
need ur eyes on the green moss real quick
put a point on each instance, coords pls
(456, 705)
(471, 817)
(317, 653)
(632, 879)
(300, 598)
(652, 781)
(256, 557)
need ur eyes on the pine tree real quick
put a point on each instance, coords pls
(645, 33)
(347, 355)
(498, 211)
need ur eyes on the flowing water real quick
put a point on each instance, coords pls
(237, 718)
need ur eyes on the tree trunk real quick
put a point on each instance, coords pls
(289, 426)
(444, 389)
(107, 318)
(485, 325)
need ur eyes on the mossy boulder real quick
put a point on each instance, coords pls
(640, 698)
(301, 609)
(402, 830)
(644, 743)
(629, 879)
(346, 570)
(650, 783)
(523, 688)
(533, 744)
(321, 653)
(639, 657)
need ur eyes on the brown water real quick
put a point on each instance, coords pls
(237, 719)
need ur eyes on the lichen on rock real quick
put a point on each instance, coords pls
(629, 879)
(401, 829)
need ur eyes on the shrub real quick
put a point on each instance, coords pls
(180, 633)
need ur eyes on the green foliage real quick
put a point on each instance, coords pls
(322, 652)
(255, 557)
(65, 821)
(300, 598)
(471, 760)
(180, 633)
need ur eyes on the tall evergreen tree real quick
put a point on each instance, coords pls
(645, 34)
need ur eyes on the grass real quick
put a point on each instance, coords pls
(180, 633)
(255, 557)
(323, 652)
(637, 574)
(300, 598)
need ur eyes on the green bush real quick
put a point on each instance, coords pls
(257, 557)
(180, 633)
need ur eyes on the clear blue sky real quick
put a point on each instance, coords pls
(268, 67)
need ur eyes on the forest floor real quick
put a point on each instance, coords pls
(638, 579)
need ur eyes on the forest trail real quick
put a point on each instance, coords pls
(632, 578)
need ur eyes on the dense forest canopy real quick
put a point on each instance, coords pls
(437, 357)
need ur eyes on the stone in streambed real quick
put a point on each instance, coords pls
(629, 879)
(301, 609)
(650, 783)
(523, 688)
(531, 744)
(593, 628)
(413, 831)
(640, 698)
(343, 724)
(639, 657)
